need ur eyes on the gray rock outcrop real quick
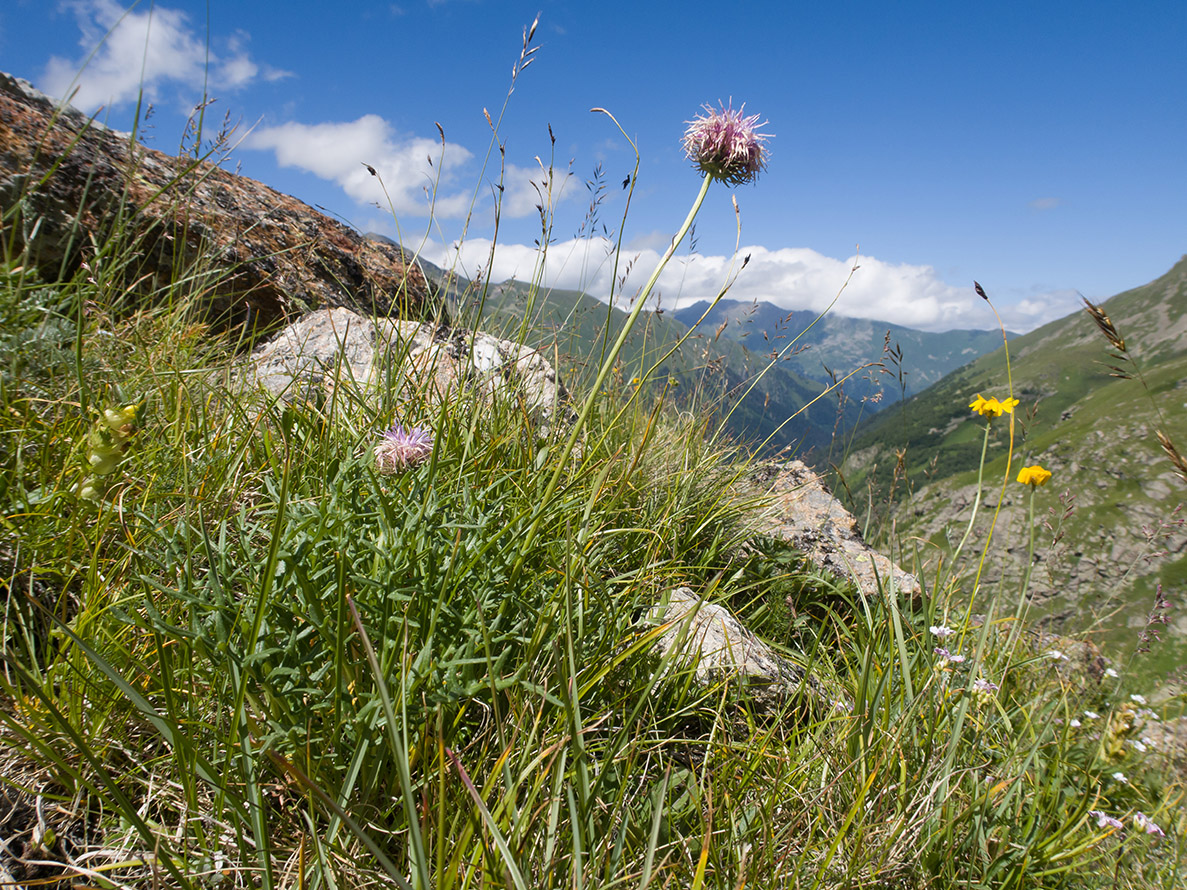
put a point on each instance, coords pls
(71, 182)
(429, 363)
(719, 648)
(804, 513)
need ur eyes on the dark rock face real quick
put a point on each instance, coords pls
(66, 184)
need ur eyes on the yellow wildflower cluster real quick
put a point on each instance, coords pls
(1035, 475)
(992, 407)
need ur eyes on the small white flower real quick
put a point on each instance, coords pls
(1120, 777)
(1092, 715)
(1075, 724)
(941, 630)
(1139, 699)
(1056, 655)
(1109, 672)
(1136, 745)
(1147, 714)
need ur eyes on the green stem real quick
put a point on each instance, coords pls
(1016, 630)
(977, 500)
(603, 373)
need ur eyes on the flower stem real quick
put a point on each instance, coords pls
(977, 499)
(603, 373)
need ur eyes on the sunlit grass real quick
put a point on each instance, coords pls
(239, 651)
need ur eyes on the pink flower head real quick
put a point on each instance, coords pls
(724, 143)
(1104, 820)
(402, 448)
(1146, 824)
(946, 656)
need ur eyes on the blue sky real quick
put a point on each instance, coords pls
(1038, 147)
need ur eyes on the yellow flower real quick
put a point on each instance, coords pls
(992, 407)
(1035, 475)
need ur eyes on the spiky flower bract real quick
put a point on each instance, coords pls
(726, 144)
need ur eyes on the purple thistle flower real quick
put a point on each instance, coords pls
(724, 143)
(402, 448)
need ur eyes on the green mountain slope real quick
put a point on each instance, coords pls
(913, 359)
(1114, 502)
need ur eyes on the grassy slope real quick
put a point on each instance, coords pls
(1093, 430)
(189, 688)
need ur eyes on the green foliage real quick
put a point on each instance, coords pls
(253, 660)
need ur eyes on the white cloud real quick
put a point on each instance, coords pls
(792, 278)
(1036, 310)
(411, 168)
(144, 49)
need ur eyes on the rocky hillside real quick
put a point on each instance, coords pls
(911, 360)
(1111, 519)
(253, 256)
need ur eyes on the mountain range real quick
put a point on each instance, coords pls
(773, 402)
(820, 346)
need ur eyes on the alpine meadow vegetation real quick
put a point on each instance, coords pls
(382, 639)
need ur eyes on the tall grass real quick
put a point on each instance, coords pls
(251, 660)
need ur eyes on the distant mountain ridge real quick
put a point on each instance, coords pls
(840, 344)
(572, 326)
(783, 408)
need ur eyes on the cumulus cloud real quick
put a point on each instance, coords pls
(791, 278)
(1035, 310)
(418, 175)
(145, 49)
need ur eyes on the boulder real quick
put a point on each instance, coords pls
(68, 183)
(431, 362)
(803, 512)
(719, 648)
